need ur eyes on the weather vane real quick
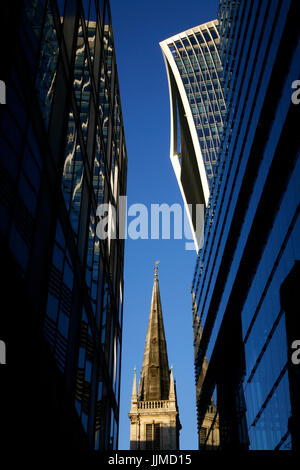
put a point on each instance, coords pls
(156, 264)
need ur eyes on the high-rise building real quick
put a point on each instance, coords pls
(63, 153)
(208, 432)
(197, 109)
(154, 416)
(245, 299)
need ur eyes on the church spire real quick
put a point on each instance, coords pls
(134, 398)
(155, 380)
(154, 416)
(134, 388)
(172, 396)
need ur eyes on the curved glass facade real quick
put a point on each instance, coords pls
(197, 108)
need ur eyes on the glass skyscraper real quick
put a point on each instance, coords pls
(245, 295)
(195, 77)
(63, 153)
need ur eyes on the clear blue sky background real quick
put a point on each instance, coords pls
(138, 27)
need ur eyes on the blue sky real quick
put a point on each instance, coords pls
(138, 28)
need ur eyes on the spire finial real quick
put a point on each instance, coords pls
(134, 387)
(155, 269)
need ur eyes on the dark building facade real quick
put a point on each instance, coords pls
(63, 153)
(245, 295)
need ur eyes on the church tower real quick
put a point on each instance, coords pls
(154, 418)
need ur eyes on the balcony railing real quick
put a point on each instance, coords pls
(144, 405)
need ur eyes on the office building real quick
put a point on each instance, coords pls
(197, 110)
(245, 299)
(63, 153)
(154, 416)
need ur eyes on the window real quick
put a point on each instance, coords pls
(153, 436)
(192, 40)
(203, 432)
(156, 436)
(46, 74)
(213, 33)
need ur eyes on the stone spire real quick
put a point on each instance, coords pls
(172, 395)
(155, 380)
(154, 416)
